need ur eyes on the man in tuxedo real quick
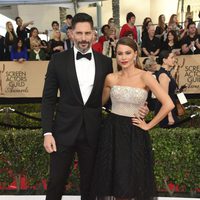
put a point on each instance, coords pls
(72, 125)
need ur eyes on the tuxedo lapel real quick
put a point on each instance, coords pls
(72, 76)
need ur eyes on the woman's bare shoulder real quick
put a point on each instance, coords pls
(147, 78)
(144, 74)
(112, 78)
(113, 75)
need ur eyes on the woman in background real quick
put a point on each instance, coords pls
(33, 36)
(145, 29)
(145, 21)
(19, 51)
(150, 65)
(172, 44)
(37, 53)
(167, 61)
(10, 39)
(173, 23)
(110, 44)
(112, 25)
(162, 27)
(56, 44)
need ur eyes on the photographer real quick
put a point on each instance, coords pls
(109, 45)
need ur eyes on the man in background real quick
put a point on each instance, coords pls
(68, 23)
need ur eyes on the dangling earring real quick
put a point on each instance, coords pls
(134, 59)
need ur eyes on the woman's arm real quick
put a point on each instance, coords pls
(26, 24)
(164, 82)
(106, 89)
(145, 51)
(185, 48)
(155, 53)
(162, 96)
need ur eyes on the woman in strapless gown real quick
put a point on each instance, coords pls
(124, 165)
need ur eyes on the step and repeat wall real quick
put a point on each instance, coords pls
(23, 80)
(26, 80)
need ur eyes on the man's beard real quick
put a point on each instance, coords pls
(86, 47)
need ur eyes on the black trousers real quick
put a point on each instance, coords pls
(60, 163)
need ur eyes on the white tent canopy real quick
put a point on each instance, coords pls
(23, 2)
(60, 3)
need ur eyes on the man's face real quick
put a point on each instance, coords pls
(55, 26)
(151, 31)
(69, 34)
(19, 22)
(69, 21)
(35, 33)
(132, 20)
(82, 36)
(192, 29)
(106, 30)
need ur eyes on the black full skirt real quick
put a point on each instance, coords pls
(124, 165)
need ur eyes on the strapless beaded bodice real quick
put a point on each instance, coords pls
(127, 100)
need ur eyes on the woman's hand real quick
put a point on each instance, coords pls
(21, 60)
(60, 48)
(170, 120)
(143, 111)
(140, 123)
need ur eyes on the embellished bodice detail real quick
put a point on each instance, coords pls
(127, 100)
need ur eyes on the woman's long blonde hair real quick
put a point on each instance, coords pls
(11, 37)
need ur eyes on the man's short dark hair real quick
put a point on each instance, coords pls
(54, 22)
(128, 33)
(69, 17)
(69, 28)
(17, 18)
(103, 28)
(82, 17)
(128, 16)
(190, 23)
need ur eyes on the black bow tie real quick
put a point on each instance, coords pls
(79, 55)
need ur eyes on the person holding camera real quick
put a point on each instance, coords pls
(110, 44)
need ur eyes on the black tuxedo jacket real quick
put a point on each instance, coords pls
(65, 118)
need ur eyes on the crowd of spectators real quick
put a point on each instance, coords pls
(25, 44)
(163, 40)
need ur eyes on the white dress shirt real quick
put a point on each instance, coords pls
(85, 70)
